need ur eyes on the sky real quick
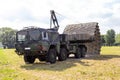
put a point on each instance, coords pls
(22, 13)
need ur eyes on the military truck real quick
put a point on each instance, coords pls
(40, 43)
(47, 44)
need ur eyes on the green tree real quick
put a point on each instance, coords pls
(117, 39)
(7, 37)
(110, 37)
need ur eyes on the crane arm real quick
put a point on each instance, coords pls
(54, 20)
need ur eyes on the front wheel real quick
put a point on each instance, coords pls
(29, 59)
(51, 56)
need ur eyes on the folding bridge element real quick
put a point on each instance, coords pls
(87, 34)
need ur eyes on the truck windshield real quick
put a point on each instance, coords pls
(21, 36)
(31, 35)
(35, 35)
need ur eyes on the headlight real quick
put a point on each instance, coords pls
(27, 48)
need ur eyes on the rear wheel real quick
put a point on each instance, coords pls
(63, 54)
(83, 51)
(51, 56)
(29, 59)
(78, 53)
(68, 55)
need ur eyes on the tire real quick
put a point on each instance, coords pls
(63, 54)
(83, 51)
(42, 58)
(78, 53)
(68, 55)
(51, 56)
(29, 59)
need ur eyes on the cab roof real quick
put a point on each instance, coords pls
(36, 28)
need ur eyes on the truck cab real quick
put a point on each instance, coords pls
(40, 43)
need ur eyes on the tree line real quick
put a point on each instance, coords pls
(7, 37)
(110, 38)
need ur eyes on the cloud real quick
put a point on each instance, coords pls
(20, 13)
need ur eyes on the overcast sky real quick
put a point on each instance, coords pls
(21, 13)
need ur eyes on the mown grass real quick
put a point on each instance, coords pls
(113, 50)
(103, 67)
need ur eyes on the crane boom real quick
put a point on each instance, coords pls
(53, 21)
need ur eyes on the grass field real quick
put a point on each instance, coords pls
(103, 67)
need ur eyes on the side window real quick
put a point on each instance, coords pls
(44, 35)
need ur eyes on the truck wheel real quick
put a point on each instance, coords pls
(83, 51)
(68, 55)
(63, 54)
(51, 56)
(78, 53)
(29, 59)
